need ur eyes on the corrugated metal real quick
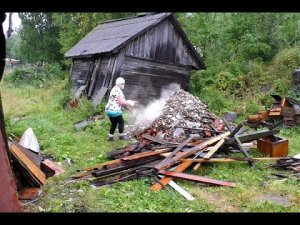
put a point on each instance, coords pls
(108, 36)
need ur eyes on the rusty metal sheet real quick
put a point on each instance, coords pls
(8, 194)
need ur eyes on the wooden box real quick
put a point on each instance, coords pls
(273, 146)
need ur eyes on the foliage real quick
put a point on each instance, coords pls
(36, 76)
(39, 38)
(13, 46)
(74, 26)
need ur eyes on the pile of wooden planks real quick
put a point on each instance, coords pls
(286, 109)
(289, 163)
(31, 170)
(163, 161)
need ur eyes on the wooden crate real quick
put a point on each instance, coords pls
(273, 146)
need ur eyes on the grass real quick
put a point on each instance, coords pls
(42, 110)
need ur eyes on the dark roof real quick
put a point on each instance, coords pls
(112, 35)
(107, 36)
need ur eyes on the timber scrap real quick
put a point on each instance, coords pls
(163, 161)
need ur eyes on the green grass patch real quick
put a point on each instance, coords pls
(43, 109)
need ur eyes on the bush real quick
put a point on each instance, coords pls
(38, 76)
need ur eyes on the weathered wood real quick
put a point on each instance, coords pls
(28, 165)
(51, 166)
(196, 167)
(94, 77)
(204, 129)
(164, 181)
(32, 156)
(157, 140)
(136, 163)
(180, 190)
(177, 149)
(144, 154)
(157, 43)
(191, 151)
(99, 96)
(225, 160)
(197, 178)
(29, 193)
(111, 164)
(214, 149)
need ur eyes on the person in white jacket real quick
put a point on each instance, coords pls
(114, 108)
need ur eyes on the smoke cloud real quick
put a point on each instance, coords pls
(145, 116)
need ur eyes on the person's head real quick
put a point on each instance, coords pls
(120, 82)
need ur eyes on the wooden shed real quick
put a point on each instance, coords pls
(149, 51)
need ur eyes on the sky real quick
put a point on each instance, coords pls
(16, 22)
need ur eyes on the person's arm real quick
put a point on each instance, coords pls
(121, 100)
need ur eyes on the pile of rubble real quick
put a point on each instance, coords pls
(182, 114)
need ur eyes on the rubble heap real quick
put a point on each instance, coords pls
(182, 113)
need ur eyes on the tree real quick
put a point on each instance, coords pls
(74, 26)
(39, 38)
(13, 46)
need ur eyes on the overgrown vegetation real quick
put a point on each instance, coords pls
(42, 110)
(248, 57)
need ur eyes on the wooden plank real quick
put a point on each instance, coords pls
(157, 140)
(99, 96)
(225, 160)
(180, 190)
(184, 143)
(197, 178)
(109, 164)
(191, 151)
(52, 166)
(93, 78)
(196, 167)
(29, 193)
(33, 170)
(164, 181)
(32, 156)
(214, 149)
(145, 154)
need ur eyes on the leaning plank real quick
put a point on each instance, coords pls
(99, 96)
(214, 149)
(32, 156)
(197, 178)
(28, 165)
(191, 151)
(164, 181)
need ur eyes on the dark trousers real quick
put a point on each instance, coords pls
(114, 122)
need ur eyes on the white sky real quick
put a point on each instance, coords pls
(16, 22)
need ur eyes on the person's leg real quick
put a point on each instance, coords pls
(121, 124)
(114, 123)
(121, 127)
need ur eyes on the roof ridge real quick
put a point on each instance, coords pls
(129, 17)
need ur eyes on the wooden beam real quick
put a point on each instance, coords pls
(177, 150)
(28, 165)
(193, 150)
(225, 160)
(214, 149)
(197, 178)
(164, 181)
